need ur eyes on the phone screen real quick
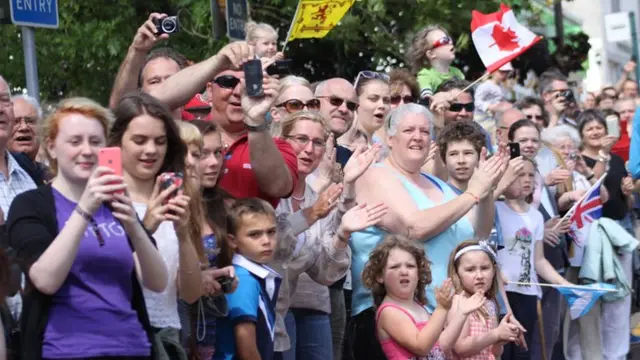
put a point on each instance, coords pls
(613, 126)
(253, 77)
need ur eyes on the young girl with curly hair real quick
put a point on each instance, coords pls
(397, 274)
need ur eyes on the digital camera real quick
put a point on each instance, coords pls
(168, 25)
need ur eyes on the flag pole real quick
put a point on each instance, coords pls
(573, 208)
(482, 78)
(576, 287)
(295, 15)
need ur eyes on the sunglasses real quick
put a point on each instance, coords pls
(295, 105)
(227, 81)
(457, 107)
(396, 99)
(371, 75)
(337, 102)
(446, 40)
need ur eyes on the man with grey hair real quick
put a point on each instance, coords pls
(504, 120)
(27, 117)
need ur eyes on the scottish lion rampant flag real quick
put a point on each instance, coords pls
(582, 215)
(581, 298)
(499, 38)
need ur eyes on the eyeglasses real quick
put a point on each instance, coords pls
(28, 120)
(367, 74)
(445, 40)
(303, 140)
(295, 105)
(396, 99)
(536, 117)
(457, 107)
(337, 102)
(227, 81)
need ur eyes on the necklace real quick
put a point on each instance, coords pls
(297, 198)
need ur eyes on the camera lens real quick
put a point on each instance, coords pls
(168, 25)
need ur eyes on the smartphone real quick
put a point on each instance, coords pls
(170, 178)
(226, 283)
(111, 157)
(253, 77)
(613, 126)
(514, 150)
(280, 67)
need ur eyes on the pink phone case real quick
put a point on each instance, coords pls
(111, 157)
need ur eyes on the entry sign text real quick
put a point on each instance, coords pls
(35, 13)
(237, 15)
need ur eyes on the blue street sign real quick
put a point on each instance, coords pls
(35, 13)
(237, 16)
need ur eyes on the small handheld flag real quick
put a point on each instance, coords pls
(499, 38)
(582, 299)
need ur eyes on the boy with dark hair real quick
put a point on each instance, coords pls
(247, 332)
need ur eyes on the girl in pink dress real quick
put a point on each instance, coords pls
(397, 274)
(472, 270)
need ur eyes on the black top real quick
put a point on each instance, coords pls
(31, 227)
(616, 208)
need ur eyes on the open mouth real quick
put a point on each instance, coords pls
(148, 162)
(416, 147)
(306, 161)
(23, 138)
(404, 282)
(380, 117)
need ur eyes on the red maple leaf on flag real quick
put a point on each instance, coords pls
(505, 39)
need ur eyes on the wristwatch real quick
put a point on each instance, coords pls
(260, 128)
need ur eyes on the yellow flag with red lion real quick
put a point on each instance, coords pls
(315, 18)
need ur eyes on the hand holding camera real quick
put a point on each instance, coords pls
(261, 92)
(167, 202)
(153, 30)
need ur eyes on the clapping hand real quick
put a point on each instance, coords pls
(444, 295)
(359, 162)
(361, 217)
(467, 305)
(507, 331)
(327, 201)
(487, 175)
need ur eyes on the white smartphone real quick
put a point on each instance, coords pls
(613, 125)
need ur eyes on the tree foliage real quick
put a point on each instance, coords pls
(83, 55)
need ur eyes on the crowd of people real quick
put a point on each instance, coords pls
(388, 218)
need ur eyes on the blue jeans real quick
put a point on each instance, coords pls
(310, 335)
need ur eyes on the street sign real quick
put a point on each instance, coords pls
(35, 13)
(237, 17)
(617, 27)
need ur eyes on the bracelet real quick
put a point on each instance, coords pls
(84, 214)
(476, 199)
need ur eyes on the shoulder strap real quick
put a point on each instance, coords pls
(387, 305)
(30, 167)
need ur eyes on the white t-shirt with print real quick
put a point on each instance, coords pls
(520, 232)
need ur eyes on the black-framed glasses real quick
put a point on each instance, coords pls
(396, 99)
(227, 81)
(457, 107)
(295, 105)
(303, 140)
(338, 101)
(368, 74)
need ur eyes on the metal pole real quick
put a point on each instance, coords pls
(30, 61)
(634, 42)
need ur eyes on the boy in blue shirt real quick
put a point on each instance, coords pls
(247, 332)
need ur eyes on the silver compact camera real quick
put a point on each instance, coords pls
(168, 25)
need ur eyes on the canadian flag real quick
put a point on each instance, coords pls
(499, 38)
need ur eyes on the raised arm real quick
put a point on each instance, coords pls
(273, 161)
(182, 86)
(144, 40)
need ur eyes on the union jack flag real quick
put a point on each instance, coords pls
(585, 212)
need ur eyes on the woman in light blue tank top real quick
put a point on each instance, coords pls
(421, 206)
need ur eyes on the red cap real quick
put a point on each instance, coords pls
(196, 103)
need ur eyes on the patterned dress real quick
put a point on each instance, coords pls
(478, 326)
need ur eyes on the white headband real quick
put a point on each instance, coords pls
(482, 246)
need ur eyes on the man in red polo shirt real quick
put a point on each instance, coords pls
(256, 164)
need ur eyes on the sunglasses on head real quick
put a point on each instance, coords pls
(396, 99)
(337, 102)
(227, 81)
(445, 40)
(367, 74)
(295, 105)
(457, 107)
